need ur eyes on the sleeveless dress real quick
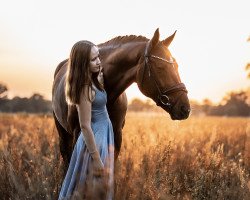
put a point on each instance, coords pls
(79, 182)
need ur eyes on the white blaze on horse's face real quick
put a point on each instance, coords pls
(94, 63)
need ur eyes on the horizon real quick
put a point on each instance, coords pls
(143, 98)
(210, 46)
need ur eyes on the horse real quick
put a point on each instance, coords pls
(125, 60)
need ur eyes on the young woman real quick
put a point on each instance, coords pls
(90, 172)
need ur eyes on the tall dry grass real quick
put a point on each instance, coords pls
(29, 158)
(200, 158)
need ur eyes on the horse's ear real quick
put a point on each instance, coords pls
(154, 40)
(168, 40)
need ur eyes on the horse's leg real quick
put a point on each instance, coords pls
(65, 143)
(117, 112)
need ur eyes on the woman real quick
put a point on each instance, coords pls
(90, 172)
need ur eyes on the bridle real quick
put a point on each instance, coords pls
(163, 96)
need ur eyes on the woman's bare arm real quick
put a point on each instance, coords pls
(84, 113)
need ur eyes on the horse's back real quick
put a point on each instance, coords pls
(59, 104)
(59, 66)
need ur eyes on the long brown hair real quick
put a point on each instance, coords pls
(78, 73)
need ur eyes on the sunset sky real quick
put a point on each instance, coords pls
(210, 46)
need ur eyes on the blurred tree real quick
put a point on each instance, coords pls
(247, 68)
(233, 104)
(136, 105)
(37, 103)
(236, 104)
(139, 105)
(195, 107)
(206, 106)
(3, 96)
(18, 104)
(3, 91)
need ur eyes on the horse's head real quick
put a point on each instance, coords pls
(158, 78)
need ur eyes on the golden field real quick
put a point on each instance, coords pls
(199, 158)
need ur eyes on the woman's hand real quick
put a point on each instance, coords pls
(100, 76)
(98, 167)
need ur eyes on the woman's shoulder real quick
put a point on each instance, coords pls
(88, 92)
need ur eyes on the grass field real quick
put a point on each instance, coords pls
(199, 158)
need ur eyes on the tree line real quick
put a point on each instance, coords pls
(34, 104)
(233, 104)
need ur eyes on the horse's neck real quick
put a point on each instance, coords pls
(120, 67)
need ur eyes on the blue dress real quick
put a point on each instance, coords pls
(79, 182)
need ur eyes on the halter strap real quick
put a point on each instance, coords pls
(162, 98)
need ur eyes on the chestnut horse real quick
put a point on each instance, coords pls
(125, 60)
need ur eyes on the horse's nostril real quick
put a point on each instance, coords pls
(185, 110)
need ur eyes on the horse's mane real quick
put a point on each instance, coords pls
(124, 39)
